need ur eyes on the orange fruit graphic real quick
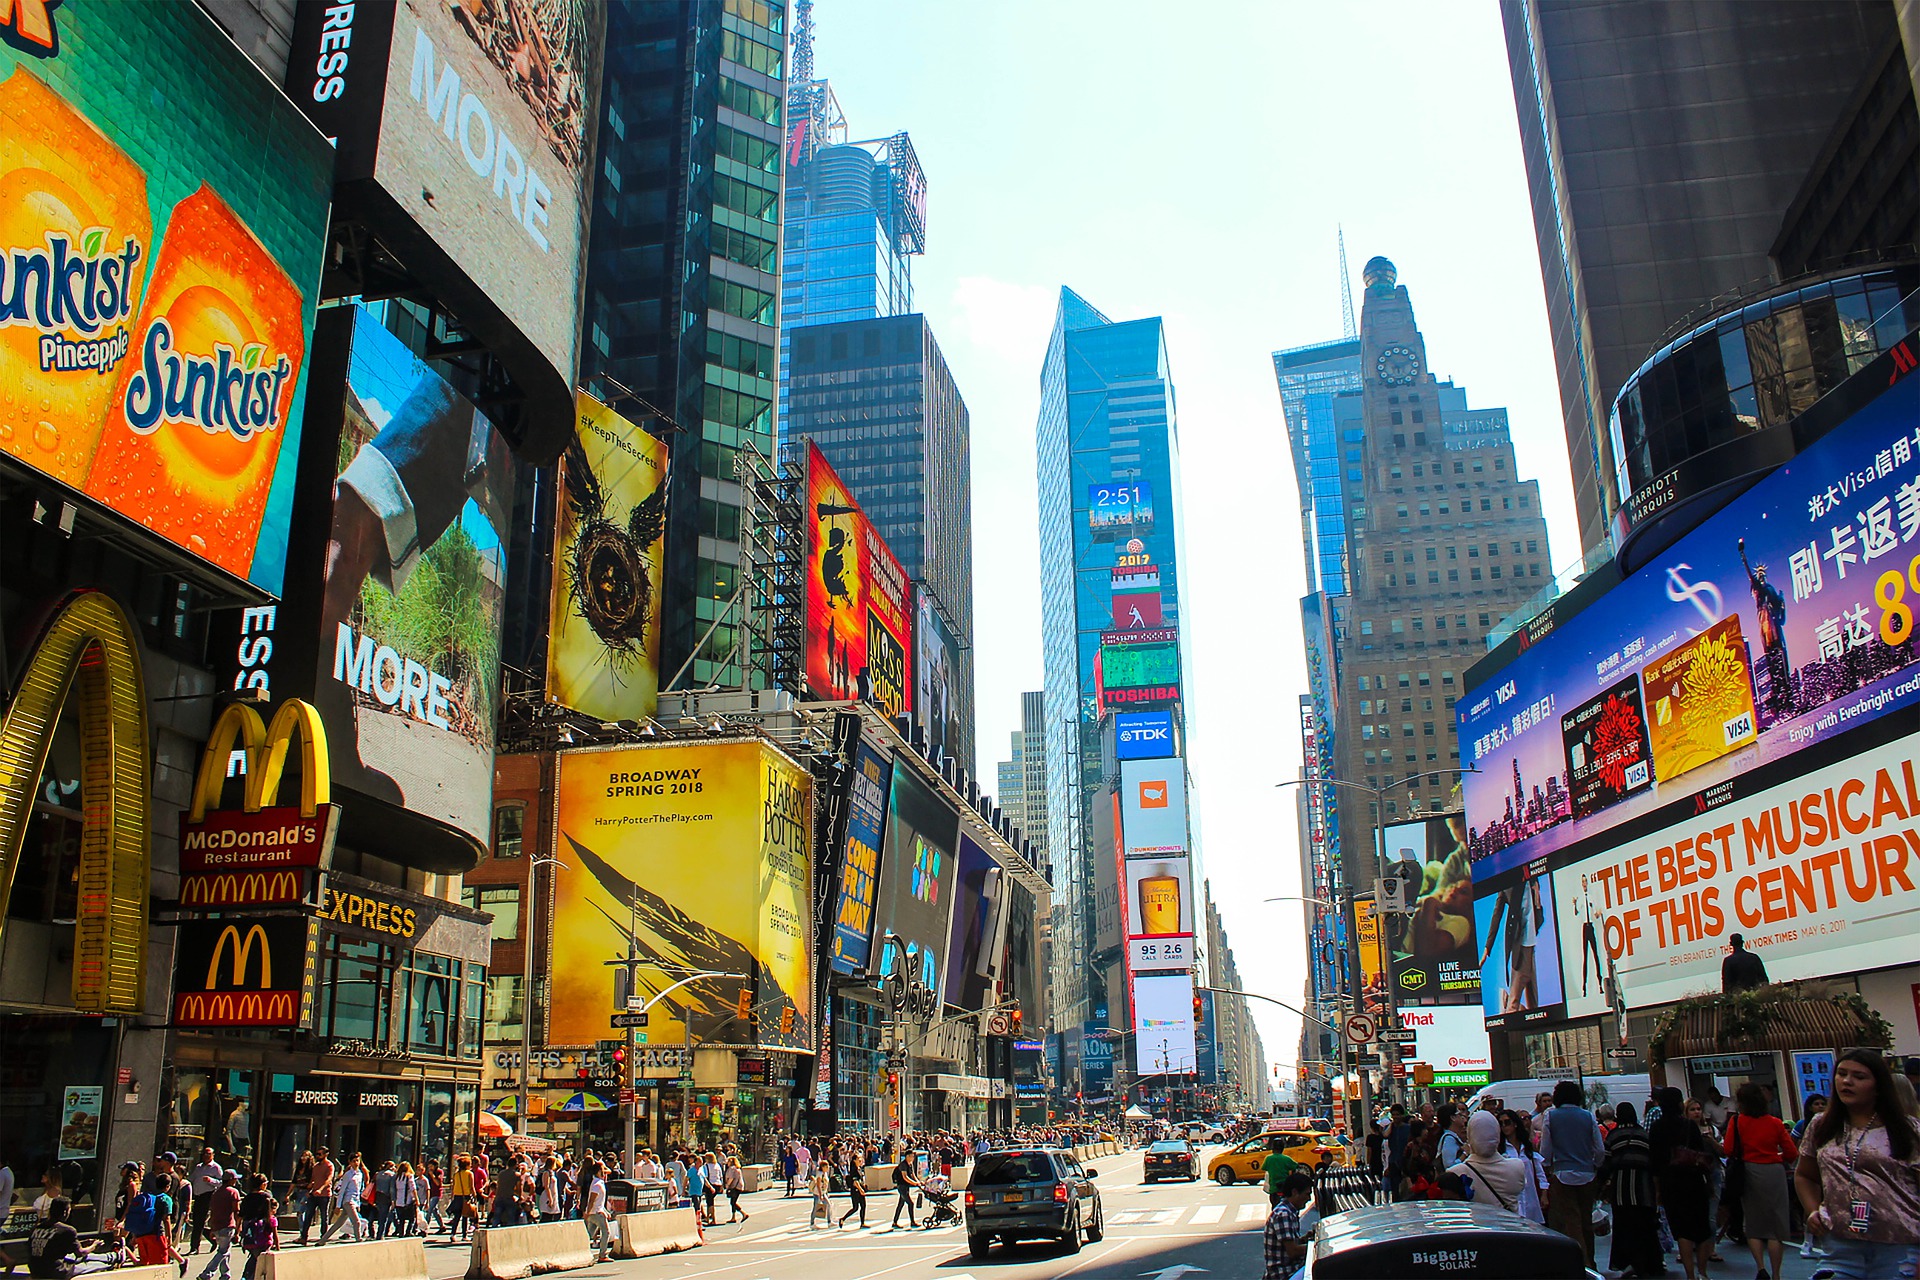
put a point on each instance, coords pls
(59, 175)
(202, 481)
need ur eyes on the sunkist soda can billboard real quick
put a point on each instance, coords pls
(163, 209)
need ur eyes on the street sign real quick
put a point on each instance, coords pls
(629, 1019)
(1399, 1037)
(1624, 1054)
(1360, 1028)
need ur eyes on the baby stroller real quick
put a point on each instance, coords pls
(936, 1192)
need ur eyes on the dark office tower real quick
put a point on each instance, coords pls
(683, 280)
(1445, 541)
(879, 400)
(1685, 156)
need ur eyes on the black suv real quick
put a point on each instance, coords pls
(1032, 1193)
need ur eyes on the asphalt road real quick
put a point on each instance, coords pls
(1167, 1229)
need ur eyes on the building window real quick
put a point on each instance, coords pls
(1406, 704)
(1419, 437)
(1433, 577)
(1399, 440)
(1366, 626)
(1486, 621)
(501, 901)
(1386, 557)
(1404, 682)
(1426, 679)
(504, 1006)
(1419, 415)
(1494, 572)
(1476, 573)
(1453, 575)
(1406, 728)
(1427, 727)
(509, 826)
(1396, 417)
(1499, 464)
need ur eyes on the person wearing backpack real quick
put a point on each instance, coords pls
(149, 1221)
(259, 1224)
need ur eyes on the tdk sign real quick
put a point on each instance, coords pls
(1143, 735)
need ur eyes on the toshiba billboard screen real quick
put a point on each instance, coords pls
(1153, 806)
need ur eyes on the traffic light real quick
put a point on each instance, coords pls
(786, 1021)
(1015, 1021)
(743, 1004)
(1199, 1009)
(620, 1069)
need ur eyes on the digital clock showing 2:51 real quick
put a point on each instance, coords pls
(1119, 507)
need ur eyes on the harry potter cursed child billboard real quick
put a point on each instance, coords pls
(701, 856)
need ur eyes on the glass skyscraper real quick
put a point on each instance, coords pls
(1107, 414)
(683, 280)
(1312, 379)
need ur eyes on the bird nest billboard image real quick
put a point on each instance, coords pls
(859, 616)
(698, 859)
(163, 209)
(603, 647)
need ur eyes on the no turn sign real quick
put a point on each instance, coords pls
(1361, 1028)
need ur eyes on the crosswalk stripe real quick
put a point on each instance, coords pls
(1250, 1213)
(1208, 1213)
(1129, 1217)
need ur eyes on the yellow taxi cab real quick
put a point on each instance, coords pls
(1241, 1162)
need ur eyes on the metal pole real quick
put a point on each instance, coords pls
(1389, 1049)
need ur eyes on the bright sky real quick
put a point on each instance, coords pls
(1193, 163)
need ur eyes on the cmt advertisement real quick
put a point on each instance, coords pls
(859, 622)
(1432, 949)
(1518, 929)
(407, 674)
(464, 131)
(1817, 871)
(977, 935)
(1153, 806)
(1163, 1024)
(1452, 1040)
(936, 694)
(700, 857)
(1785, 619)
(603, 645)
(859, 887)
(917, 876)
(163, 212)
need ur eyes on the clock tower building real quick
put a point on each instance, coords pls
(1444, 542)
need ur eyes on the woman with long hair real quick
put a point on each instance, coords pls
(1765, 1149)
(1859, 1176)
(1680, 1161)
(1716, 1171)
(1516, 1140)
(1635, 1196)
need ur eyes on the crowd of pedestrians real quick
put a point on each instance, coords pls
(1678, 1176)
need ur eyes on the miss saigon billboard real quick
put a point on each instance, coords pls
(859, 610)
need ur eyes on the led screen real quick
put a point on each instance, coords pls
(1432, 950)
(163, 213)
(859, 886)
(1780, 622)
(859, 619)
(1136, 666)
(917, 877)
(1163, 1024)
(1153, 806)
(1117, 511)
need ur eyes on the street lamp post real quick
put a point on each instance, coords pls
(1343, 1006)
(1390, 1052)
(529, 930)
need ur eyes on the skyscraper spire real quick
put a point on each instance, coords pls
(1348, 329)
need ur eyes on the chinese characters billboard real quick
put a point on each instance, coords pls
(603, 637)
(163, 212)
(859, 619)
(699, 855)
(1780, 622)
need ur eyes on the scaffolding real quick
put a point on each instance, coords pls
(771, 638)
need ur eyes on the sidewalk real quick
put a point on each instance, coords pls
(1738, 1264)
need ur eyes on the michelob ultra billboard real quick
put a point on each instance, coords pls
(699, 857)
(163, 210)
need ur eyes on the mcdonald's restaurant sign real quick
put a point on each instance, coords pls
(259, 854)
(242, 973)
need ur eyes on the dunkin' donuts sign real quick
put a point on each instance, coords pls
(156, 289)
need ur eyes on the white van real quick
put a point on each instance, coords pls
(1518, 1095)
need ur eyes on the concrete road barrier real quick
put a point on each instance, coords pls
(960, 1177)
(879, 1177)
(642, 1235)
(168, 1272)
(396, 1258)
(758, 1176)
(513, 1253)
